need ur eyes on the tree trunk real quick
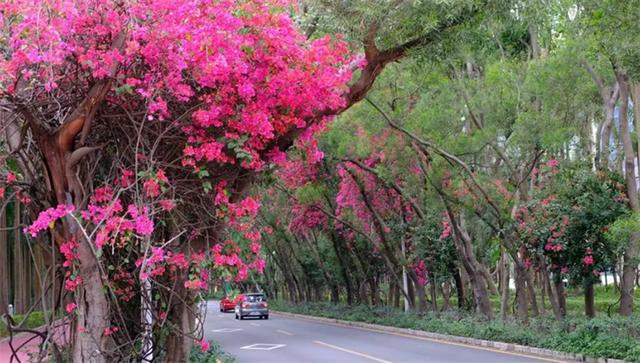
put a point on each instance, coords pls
(446, 295)
(335, 294)
(434, 295)
(422, 297)
(466, 255)
(375, 291)
(21, 296)
(459, 288)
(4, 264)
(504, 286)
(531, 292)
(90, 345)
(521, 293)
(631, 253)
(179, 345)
(589, 301)
(560, 295)
(553, 298)
(395, 293)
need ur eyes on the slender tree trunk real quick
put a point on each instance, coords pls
(434, 295)
(422, 297)
(395, 292)
(589, 301)
(4, 264)
(553, 299)
(446, 295)
(459, 288)
(374, 287)
(21, 296)
(531, 292)
(504, 285)
(560, 294)
(543, 302)
(631, 253)
(470, 263)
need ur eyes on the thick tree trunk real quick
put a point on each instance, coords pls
(521, 293)
(90, 344)
(179, 345)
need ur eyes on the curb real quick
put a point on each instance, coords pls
(472, 342)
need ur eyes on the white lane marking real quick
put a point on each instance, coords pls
(351, 352)
(255, 324)
(262, 346)
(284, 332)
(226, 330)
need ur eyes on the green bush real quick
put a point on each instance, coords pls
(34, 320)
(215, 354)
(615, 337)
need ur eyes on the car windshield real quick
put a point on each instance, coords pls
(254, 298)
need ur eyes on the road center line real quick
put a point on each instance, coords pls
(284, 332)
(255, 324)
(351, 352)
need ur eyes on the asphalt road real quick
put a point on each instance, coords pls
(281, 339)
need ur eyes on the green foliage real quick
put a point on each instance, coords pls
(620, 231)
(215, 354)
(34, 320)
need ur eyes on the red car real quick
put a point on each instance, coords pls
(227, 304)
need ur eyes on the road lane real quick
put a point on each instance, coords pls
(287, 340)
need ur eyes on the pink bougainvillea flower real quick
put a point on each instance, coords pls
(151, 188)
(553, 163)
(167, 205)
(204, 345)
(47, 218)
(11, 178)
(587, 260)
(110, 330)
(71, 307)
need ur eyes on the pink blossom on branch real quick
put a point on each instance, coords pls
(47, 218)
(71, 307)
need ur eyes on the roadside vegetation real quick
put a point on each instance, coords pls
(214, 354)
(604, 337)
